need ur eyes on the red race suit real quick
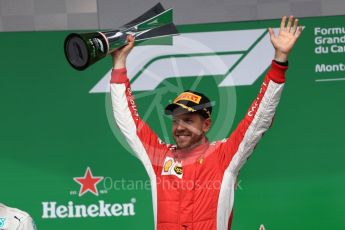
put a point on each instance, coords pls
(195, 190)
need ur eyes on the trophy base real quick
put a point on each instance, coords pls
(82, 50)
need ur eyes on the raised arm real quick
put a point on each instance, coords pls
(143, 141)
(235, 151)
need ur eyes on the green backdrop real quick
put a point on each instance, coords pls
(52, 129)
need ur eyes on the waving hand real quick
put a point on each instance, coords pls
(286, 39)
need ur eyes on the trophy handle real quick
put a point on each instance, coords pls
(157, 9)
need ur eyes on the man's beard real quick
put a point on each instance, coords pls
(190, 143)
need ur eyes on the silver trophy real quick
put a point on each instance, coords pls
(82, 50)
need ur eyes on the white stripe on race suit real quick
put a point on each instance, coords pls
(261, 122)
(123, 118)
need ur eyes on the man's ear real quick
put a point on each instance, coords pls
(207, 124)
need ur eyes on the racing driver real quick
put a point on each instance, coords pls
(193, 161)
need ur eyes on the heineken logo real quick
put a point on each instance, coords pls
(237, 57)
(53, 210)
(88, 182)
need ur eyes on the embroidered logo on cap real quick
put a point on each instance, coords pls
(187, 96)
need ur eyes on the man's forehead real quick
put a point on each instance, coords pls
(183, 114)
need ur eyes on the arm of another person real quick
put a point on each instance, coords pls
(143, 141)
(234, 152)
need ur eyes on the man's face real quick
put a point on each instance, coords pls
(189, 129)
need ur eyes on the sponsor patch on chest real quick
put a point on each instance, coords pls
(172, 167)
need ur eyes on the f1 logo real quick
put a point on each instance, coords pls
(239, 57)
